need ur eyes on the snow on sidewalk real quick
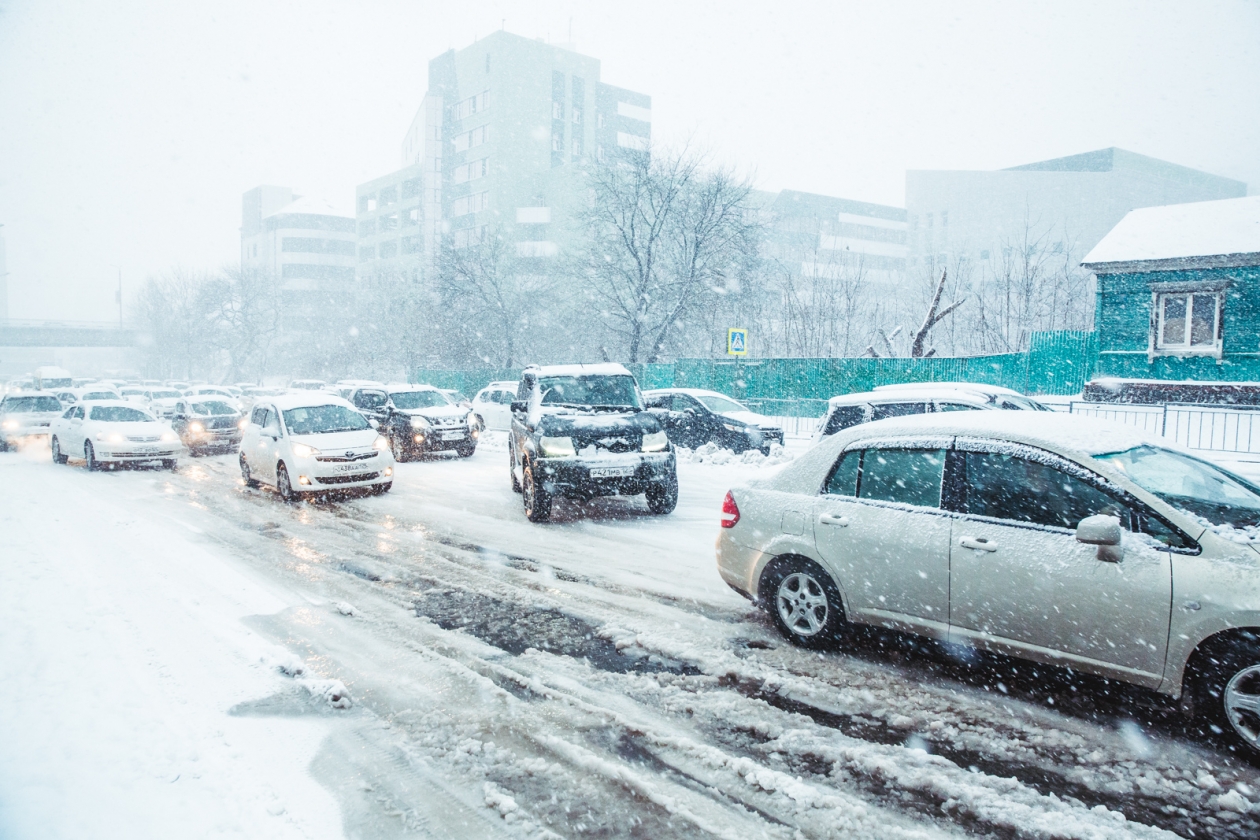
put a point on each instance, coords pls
(121, 653)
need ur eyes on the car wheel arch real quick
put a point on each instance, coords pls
(771, 563)
(1217, 644)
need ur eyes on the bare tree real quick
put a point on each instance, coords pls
(662, 232)
(247, 312)
(918, 345)
(178, 312)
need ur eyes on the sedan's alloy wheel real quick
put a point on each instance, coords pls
(1242, 705)
(802, 604)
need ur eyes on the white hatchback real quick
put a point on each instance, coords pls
(1056, 538)
(493, 405)
(311, 441)
(113, 431)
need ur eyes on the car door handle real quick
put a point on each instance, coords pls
(831, 519)
(977, 544)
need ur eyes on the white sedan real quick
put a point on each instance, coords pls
(309, 441)
(1068, 541)
(110, 433)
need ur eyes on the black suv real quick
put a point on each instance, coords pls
(580, 431)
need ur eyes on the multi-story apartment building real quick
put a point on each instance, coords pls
(304, 243)
(823, 236)
(1061, 206)
(499, 146)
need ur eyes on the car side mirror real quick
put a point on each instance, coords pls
(374, 423)
(519, 406)
(1104, 532)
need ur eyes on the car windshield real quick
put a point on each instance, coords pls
(615, 391)
(166, 395)
(418, 399)
(23, 404)
(324, 419)
(1011, 402)
(120, 414)
(212, 408)
(1195, 486)
(371, 399)
(100, 395)
(719, 404)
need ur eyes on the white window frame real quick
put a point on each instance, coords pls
(1160, 294)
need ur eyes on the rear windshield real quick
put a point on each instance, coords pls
(166, 395)
(100, 395)
(120, 414)
(614, 391)
(323, 419)
(719, 405)
(419, 399)
(24, 404)
(212, 408)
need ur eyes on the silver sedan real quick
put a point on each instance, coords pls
(1058, 539)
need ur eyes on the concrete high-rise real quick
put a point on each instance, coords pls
(498, 145)
(303, 243)
(1066, 205)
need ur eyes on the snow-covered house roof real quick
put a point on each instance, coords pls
(1203, 234)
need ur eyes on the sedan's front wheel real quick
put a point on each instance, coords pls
(284, 485)
(58, 456)
(804, 602)
(89, 455)
(535, 497)
(397, 448)
(249, 480)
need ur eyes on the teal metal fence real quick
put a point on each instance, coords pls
(1055, 363)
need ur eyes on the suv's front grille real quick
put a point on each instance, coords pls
(348, 479)
(341, 459)
(617, 444)
(149, 439)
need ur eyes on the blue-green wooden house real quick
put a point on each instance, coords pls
(1179, 293)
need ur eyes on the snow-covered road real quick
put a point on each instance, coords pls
(184, 658)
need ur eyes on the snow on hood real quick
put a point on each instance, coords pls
(751, 418)
(435, 411)
(331, 442)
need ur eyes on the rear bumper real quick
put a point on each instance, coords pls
(213, 439)
(572, 477)
(441, 439)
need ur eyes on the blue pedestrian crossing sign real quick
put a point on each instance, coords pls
(737, 341)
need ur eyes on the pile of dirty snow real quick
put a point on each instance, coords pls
(711, 453)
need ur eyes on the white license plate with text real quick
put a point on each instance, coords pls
(452, 435)
(612, 472)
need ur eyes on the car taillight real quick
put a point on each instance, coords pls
(730, 511)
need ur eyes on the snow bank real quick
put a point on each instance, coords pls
(712, 454)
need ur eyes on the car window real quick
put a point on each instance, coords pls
(909, 476)
(885, 410)
(408, 400)
(720, 405)
(843, 480)
(682, 402)
(505, 397)
(323, 419)
(120, 414)
(949, 406)
(257, 416)
(596, 390)
(212, 408)
(78, 412)
(1005, 486)
(24, 404)
(371, 399)
(69, 413)
(844, 416)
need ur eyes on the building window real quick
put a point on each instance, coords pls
(472, 170)
(367, 227)
(577, 147)
(389, 249)
(388, 196)
(557, 142)
(388, 222)
(411, 245)
(411, 188)
(557, 110)
(469, 236)
(474, 203)
(472, 139)
(1188, 322)
(413, 216)
(367, 253)
(473, 105)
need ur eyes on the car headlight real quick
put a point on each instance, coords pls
(736, 427)
(244, 422)
(114, 438)
(418, 422)
(381, 443)
(655, 442)
(557, 447)
(10, 424)
(303, 451)
(167, 437)
(196, 427)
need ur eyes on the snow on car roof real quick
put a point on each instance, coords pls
(1182, 231)
(602, 369)
(978, 387)
(284, 402)
(927, 392)
(397, 389)
(691, 392)
(1044, 429)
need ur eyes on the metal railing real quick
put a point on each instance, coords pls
(1211, 428)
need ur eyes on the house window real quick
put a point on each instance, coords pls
(1188, 321)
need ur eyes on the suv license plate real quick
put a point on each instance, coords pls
(347, 467)
(612, 472)
(452, 435)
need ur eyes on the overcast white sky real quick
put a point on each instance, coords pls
(129, 130)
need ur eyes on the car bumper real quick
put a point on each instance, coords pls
(440, 439)
(135, 451)
(210, 440)
(573, 477)
(23, 431)
(340, 475)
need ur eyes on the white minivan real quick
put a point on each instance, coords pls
(308, 442)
